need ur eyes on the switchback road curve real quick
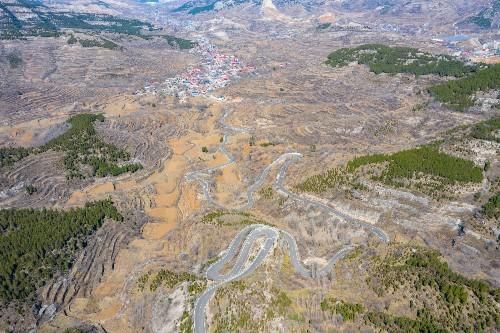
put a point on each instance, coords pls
(245, 240)
(241, 246)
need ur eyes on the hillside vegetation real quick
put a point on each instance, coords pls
(230, 218)
(487, 130)
(83, 147)
(85, 153)
(424, 160)
(492, 208)
(457, 94)
(460, 304)
(169, 280)
(195, 8)
(181, 43)
(432, 297)
(424, 168)
(485, 18)
(40, 20)
(35, 244)
(233, 302)
(10, 156)
(384, 59)
(101, 42)
(43, 22)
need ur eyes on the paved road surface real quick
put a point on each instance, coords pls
(241, 245)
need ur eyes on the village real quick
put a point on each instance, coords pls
(215, 71)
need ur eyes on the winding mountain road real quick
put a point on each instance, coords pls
(203, 177)
(247, 238)
(244, 241)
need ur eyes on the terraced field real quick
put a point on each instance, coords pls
(285, 201)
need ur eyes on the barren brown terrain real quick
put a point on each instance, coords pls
(214, 162)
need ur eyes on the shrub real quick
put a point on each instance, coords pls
(348, 311)
(492, 208)
(30, 189)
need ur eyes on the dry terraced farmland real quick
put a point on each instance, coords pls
(358, 201)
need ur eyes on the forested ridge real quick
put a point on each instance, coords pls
(45, 22)
(38, 19)
(425, 169)
(457, 94)
(426, 160)
(384, 59)
(35, 244)
(82, 147)
(461, 304)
